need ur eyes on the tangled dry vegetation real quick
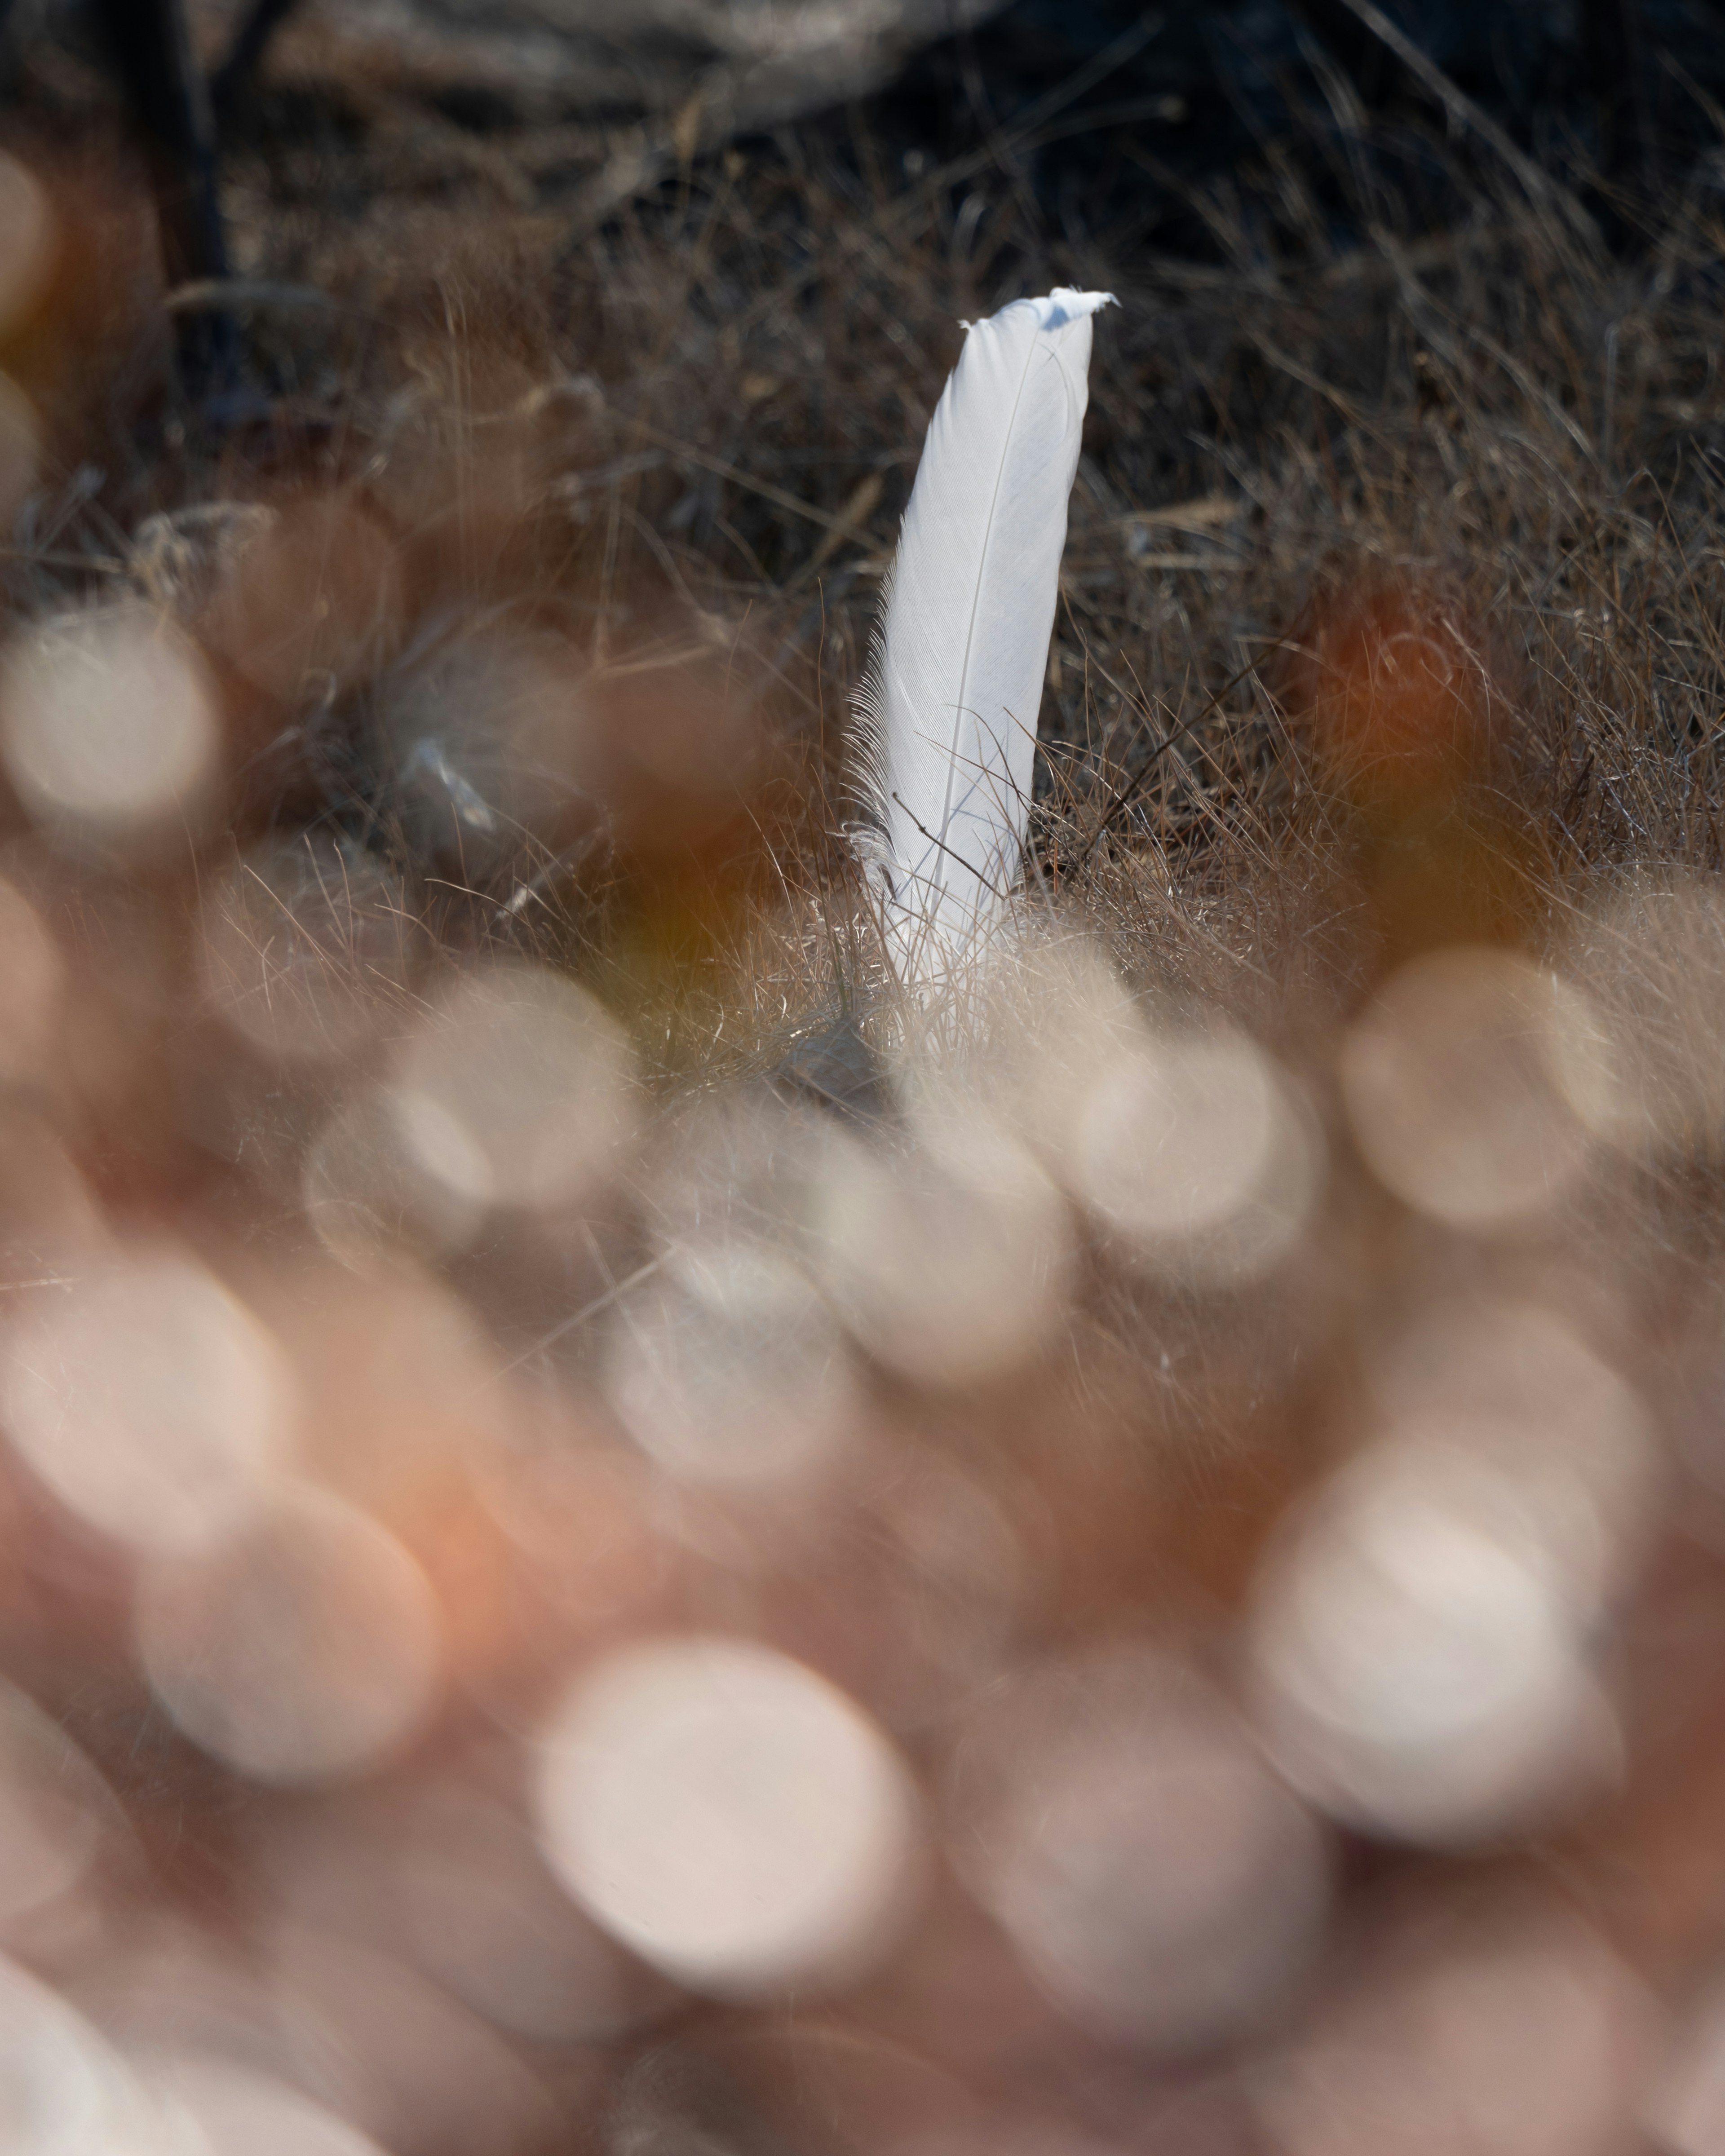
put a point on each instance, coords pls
(1377, 846)
(689, 432)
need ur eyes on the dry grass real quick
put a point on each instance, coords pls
(1391, 618)
(1498, 424)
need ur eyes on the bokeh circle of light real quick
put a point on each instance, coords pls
(63, 2090)
(518, 1090)
(108, 724)
(149, 1401)
(1648, 1076)
(305, 1649)
(1159, 1879)
(1421, 1654)
(1514, 1387)
(732, 1370)
(1190, 1148)
(727, 1813)
(1456, 1081)
(950, 1259)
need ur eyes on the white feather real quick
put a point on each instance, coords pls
(947, 715)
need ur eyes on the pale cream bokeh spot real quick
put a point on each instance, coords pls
(109, 726)
(950, 1258)
(307, 1648)
(1421, 1657)
(1049, 1015)
(728, 1815)
(1648, 1077)
(64, 2090)
(151, 1402)
(1512, 1383)
(729, 1369)
(1174, 1131)
(370, 1189)
(518, 1089)
(1191, 1148)
(1461, 1081)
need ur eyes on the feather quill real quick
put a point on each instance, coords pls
(945, 737)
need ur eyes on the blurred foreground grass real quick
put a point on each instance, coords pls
(1160, 1581)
